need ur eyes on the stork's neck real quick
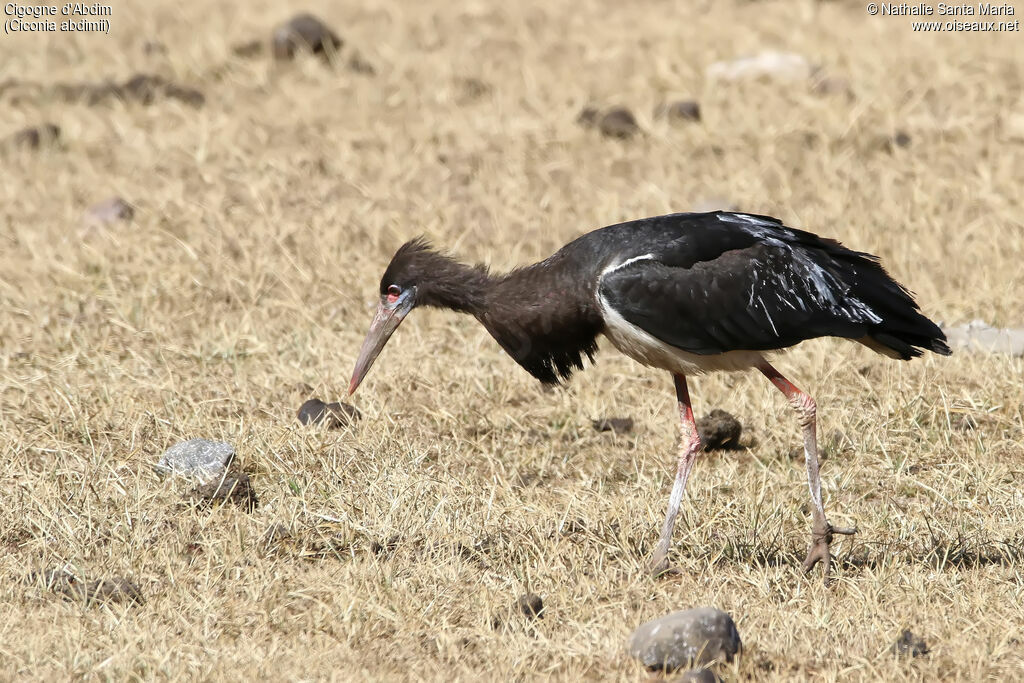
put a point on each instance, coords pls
(456, 286)
(544, 317)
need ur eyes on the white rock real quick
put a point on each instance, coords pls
(980, 336)
(110, 211)
(769, 64)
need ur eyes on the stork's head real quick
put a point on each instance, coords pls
(398, 290)
(416, 276)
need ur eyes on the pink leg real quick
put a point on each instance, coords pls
(821, 531)
(689, 447)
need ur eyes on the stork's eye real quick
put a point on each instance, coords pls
(393, 293)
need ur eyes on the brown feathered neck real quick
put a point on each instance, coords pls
(542, 315)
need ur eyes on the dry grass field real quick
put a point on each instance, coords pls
(263, 222)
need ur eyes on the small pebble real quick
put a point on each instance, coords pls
(694, 637)
(154, 47)
(719, 431)
(770, 64)
(588, 116)
(618, 425)
(531, 605)
(333, 415)
(50, 579)
(35, 137)
(304, 32)
(90, 93)
(359, 65)
(680, 111)
(909, 645)
(386, 547)
(189, 96)
(143, 88)
(110, 211)
(118, 590)
(899, 139)
(233, 488)
(248, 50)
(618, 122)
(148, 88)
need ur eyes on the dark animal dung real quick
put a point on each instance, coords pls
(333, 415)
(618, 122)
(588, 116)
(101, 591)
(531, 605)
(35, 137)
(680, 111)
(719, 431)
(618, 425)
(304, 32)
(909, 645)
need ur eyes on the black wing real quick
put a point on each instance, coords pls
(743, 282)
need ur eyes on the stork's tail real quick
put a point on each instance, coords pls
(904, 332)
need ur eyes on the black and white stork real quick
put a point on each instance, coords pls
(688, 293)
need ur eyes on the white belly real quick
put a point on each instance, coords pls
(650, 351)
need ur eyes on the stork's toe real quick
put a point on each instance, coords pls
(662, 569)
(819, 550)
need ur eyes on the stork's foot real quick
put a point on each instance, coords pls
(821, 538)
(659, 567)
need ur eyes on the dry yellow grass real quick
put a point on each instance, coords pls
(264, 221)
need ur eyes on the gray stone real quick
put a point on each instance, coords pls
(45, 135)
(693, 637)
(304, 32)
(618, 122)
(618, 425)
(770, 64)
(118, 589)
(680, 111)
(110, 211)
(360, 65)
(198, 458)
(51, 579)
(149, 88)
(897, 140)
(909, 645)
(531, 605)
(65, 583)
(980, 336)
(249, 49)
(588, 117)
